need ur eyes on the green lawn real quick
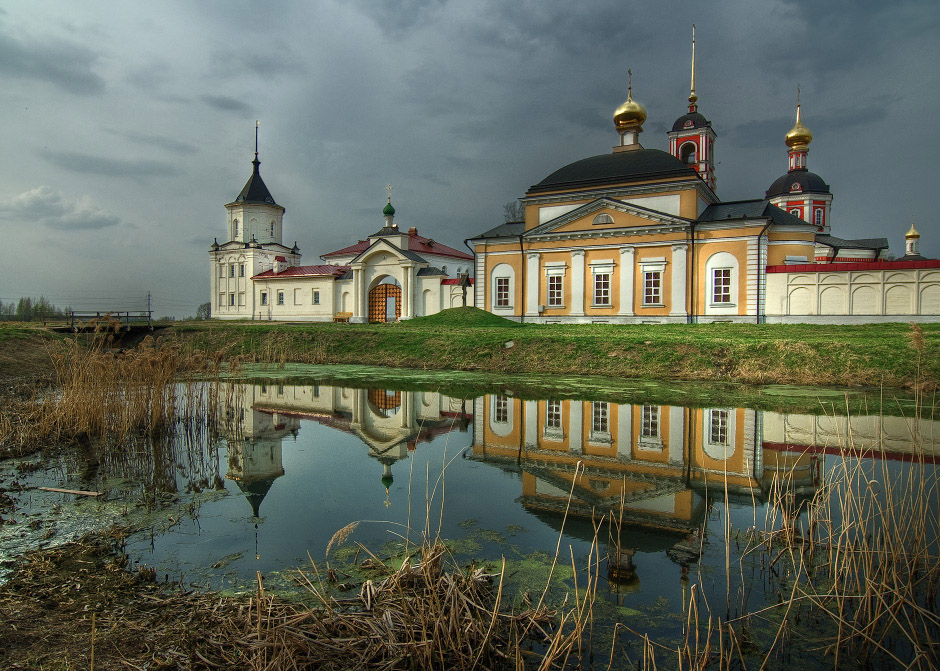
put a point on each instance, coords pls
(470, 339)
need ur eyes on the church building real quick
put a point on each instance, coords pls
(639, 235)
(392, 275)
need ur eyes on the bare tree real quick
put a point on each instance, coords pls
(514, 211)
(204, 311)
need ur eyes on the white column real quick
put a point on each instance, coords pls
(577, 283)
(406, 290)
(359, 310)
(627, 272)
(625, 431)
(576, 409)
(676, 433)
(532, 284)
(531, 423)
(679, 279)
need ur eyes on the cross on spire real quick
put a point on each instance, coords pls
(389, 189)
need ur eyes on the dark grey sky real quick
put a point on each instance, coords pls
(129, 125)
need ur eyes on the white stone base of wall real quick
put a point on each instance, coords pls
(613, 319)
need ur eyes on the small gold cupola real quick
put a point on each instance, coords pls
(798, 139)
(629, 118)
(911, 242)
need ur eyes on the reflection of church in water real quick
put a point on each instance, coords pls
(663, 461)
(391, 424)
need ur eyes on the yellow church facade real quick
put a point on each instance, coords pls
(639, 235)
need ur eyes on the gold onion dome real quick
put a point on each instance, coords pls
(630, 112)
(799, 134)
(912, 233)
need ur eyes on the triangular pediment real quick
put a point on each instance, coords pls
(382, 245)
(607, 214)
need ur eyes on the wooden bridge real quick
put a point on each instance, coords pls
(109, 320)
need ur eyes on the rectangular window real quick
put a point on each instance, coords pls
(264, 297)
(554, 291)
(602, 289)
(600, 417)
(553, 415)
(316, 297)
(721, 285)
(501, 414)
(718, 427)
(650, 428)
(653, 287)
(502, 292)
(231, 300)
(231, 270)
(280, 298)
(241, 269)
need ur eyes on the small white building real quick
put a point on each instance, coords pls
(391, 275)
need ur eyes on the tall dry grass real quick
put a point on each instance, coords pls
(100, 394)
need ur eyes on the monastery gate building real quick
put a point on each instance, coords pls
(639, 236)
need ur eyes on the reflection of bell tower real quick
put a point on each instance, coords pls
(254, 465)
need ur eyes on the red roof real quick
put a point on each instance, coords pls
(416, 243)
(301, 271)
(454, 280)
(860, 265)
(280, 258)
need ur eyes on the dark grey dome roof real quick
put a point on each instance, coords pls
(255, 190)
(809, 182)
(698, 121)
(616, 167)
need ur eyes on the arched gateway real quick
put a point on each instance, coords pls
(385, 303)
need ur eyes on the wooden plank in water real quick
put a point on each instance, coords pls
(69, 491)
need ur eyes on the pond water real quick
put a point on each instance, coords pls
(289, 463)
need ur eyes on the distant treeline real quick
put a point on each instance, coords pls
(28, 309)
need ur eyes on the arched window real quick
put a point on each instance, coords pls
(687, 153)
(503, 282)
(796, 212)
(818, 217)
(272, 229)
(722, 280)
(603, 218)
(235, 224)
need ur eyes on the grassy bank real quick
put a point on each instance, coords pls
(468, 339)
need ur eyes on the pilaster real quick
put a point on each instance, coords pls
(577, 283)
(532, 284)
(679, 280)
(627, 273)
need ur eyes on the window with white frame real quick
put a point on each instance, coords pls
(501, 409)
(650, 422)
(553, 416)
(555, 291)
(600, 416)
(235, 223)
(231, 300)
(721, 285)
(818, 218)
(796, 212)
(231, 270)
(602, 288)
(502, 292)
(316, 297)
(280, 298)
(264, 297)
(653, 287)
(241, 269)
(718, 427)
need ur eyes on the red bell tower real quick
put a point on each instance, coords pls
(692, 139)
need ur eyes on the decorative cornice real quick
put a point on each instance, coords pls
(611, 232)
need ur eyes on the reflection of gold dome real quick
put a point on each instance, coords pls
(912, 233)
(799, 134)
(630, 112)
